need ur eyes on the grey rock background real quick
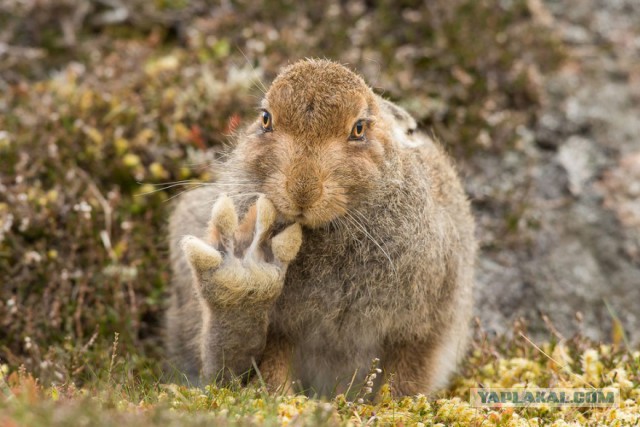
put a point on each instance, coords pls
(575, 184)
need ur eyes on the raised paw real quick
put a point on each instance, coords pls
(241, 263)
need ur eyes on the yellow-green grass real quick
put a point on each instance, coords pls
(123, 394)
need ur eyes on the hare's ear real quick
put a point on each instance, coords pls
(401, 117)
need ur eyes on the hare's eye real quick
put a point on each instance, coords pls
(357, 132)
(265, 120)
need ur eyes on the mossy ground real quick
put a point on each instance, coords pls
(103, 122)
(115, 393)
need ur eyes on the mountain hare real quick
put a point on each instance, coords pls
(337, 234)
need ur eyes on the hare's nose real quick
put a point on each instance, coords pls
(304, 191)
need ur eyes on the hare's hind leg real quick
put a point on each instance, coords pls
(276, 364)
(422, 366)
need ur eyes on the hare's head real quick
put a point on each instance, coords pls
(319, 144)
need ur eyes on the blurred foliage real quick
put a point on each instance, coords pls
(108, 109)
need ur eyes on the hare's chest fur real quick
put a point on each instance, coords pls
(342, 297)
(335, 331)
(340, 288)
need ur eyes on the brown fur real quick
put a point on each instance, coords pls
(385, 267)
(275, 364)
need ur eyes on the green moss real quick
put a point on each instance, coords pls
(128, 391)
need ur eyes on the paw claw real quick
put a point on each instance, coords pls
(200, 255)
(285, 246)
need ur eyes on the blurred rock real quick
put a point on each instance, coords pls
(578, 157)
(576, 246)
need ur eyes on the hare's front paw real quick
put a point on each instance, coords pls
(241, 264)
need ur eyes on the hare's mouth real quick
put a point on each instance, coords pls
(314, 216)
(305, 217)
(310, 220)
